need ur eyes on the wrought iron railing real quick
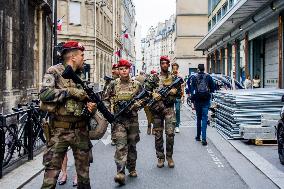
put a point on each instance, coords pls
(21, 134)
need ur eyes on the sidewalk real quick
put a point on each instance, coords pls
(23, 174)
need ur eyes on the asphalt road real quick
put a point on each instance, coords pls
(196, 166)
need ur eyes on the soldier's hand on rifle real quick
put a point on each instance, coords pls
(173, 91)
(156, 96)
(80, 94)
(91, 106)
(136, 105)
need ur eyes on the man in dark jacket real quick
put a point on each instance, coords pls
(201, 90)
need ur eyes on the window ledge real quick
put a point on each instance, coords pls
(72, 24)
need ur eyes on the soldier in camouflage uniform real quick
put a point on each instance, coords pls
(126, 127)
(64, 100)
(115, 75)
(114, 71)
(163, 111)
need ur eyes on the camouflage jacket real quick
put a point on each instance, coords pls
(166, 80)
(54, 94)
(118, 91)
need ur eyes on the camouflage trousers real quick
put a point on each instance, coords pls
(165, 120)
(148, 115)
(112, 132)
(126, 133)
(78, 140)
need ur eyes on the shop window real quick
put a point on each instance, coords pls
(75, 7)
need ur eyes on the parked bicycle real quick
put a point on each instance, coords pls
(22, 138)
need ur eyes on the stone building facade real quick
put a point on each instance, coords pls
(99, 25)
(158, 42)
(91, 23)
(191, 27)
(128, 27)
(26, 49)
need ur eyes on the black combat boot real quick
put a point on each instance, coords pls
(83, 186)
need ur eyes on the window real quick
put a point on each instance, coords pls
(213, 20)
(209, 7)
(219, 16)
(75, 13)
(224, 9)
(231, 3)
(209, 25)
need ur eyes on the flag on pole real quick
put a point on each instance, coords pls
(126, 35)
(59, 24)
(118, 53)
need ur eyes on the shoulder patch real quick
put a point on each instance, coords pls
(48, 80)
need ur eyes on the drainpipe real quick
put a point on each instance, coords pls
(54, 29)
(280, 41)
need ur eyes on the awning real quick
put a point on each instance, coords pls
(240, 12)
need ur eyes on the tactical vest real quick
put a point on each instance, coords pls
(70, 107)
(124, 93)
(166, 81)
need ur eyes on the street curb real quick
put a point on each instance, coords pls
(261, 164)
(269, 170)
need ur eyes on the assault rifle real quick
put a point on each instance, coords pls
(164, 92)
(94, 97)
(127, 105)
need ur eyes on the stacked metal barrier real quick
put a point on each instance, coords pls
(243, 108)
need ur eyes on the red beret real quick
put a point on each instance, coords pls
(153, 72)
(123, 62)
(165, 58)
(73, 45)
(114, 66)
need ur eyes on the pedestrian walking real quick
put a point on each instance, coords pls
(164, 119)
(180, 96)
(126, 127)
(201, 90)
(256, 82)
(65, 101)
(64, 176)
(248, 83)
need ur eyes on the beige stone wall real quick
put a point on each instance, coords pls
(192, 7)
(191, 27)
(185, 47)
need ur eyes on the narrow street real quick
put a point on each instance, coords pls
(196, 166)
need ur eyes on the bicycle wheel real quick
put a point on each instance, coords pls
(10, 143)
